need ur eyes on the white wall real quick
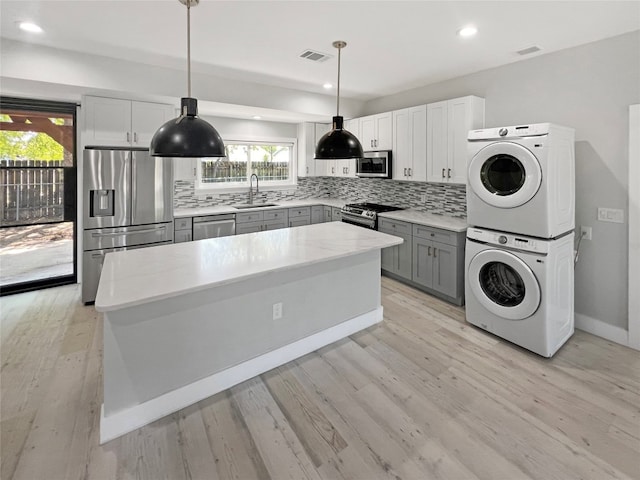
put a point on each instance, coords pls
(589, 88)
(230, 127)
(60, 73)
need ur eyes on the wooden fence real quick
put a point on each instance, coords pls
(220, 171)
(31, 191)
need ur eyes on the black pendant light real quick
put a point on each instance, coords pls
(187, 136)
(338, 143)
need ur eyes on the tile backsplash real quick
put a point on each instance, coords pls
(439, 198)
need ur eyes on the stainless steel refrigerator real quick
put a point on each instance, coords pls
(127, 203)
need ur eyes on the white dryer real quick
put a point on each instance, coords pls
(520, 288)
(521, 179)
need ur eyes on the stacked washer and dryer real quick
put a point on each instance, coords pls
(519, 249)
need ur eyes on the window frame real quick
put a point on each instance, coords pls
(209, 188)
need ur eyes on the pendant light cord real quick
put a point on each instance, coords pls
(189, 48)
(338, 89)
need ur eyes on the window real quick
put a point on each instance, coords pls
(273, 163)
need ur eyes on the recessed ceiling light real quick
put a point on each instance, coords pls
(328, 85)
(30, 27)
(468, 31)
(257, 117)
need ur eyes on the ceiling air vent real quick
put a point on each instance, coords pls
(315, 56)
(528, 50)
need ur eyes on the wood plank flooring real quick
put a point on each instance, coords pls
(421, 396)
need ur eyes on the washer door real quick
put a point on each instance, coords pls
(504, 284)
(505, 174)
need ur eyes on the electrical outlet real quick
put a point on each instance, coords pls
(277, 311)
(423, 198)
(613, 215)
(585, 232)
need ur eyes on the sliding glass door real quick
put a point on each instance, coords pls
(37, 194)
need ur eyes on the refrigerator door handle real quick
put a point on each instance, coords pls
(131, 232)
(134, 187)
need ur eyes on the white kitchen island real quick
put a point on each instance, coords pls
(185, 321)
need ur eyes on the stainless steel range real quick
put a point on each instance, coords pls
(365, 214)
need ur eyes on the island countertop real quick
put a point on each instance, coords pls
(136, 277)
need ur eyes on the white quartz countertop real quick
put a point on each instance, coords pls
(428, 219)
(221, 209)
(137, 277)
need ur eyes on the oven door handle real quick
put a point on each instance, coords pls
(358, 220)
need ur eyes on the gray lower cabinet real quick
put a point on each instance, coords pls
(317, 214)
(299, 216)
(336, 214)
(259, 221)
(183, 230)
(430, 258)
(397, 259)
(327, 214)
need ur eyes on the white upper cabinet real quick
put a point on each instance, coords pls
(146, 118)
(323, 168)
(448, 124)
(409, 157)
(113, 122)
(377, 132)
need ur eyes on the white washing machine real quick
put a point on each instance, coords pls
(521, 179)
(520, 288)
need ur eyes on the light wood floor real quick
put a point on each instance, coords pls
(421, 396)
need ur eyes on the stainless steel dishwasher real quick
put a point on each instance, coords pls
(213, 226)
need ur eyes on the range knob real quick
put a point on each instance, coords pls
(502, 239)
(503, 132)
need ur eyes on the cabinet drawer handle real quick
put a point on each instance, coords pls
(428, 251)
(410, 174)
(448, 173)
(433, 234)
(405, 172)
(443, 173)
(434, 252)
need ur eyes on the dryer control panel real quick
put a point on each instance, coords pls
(509, 240)
(532, 130)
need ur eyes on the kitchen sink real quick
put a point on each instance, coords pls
(253, 205)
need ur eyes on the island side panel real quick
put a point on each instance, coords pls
(154, 349)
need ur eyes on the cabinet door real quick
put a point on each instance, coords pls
(317, 214)
(437, 142)
(405, 257)
(327, 214)
(299, 221)
(445, 268)
(275, 224)
(180, 236)
(107, 122)
(464, 114)
(248, 227)
(185, 168)
(322, 167)
(401, 156)
(306, 149)
(418, 143)
(422, 262)
(368, 132)
(388, 258)
(384, 131)
(336, 214)
(146, 118)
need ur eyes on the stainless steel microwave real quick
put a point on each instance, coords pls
(374, 164)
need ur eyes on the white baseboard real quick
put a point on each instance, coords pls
(602, 329)
(137, 416)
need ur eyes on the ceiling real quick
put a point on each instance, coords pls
(392, 45)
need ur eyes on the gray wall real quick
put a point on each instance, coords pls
(589, 88)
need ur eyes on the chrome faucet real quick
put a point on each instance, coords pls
(251, 187)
